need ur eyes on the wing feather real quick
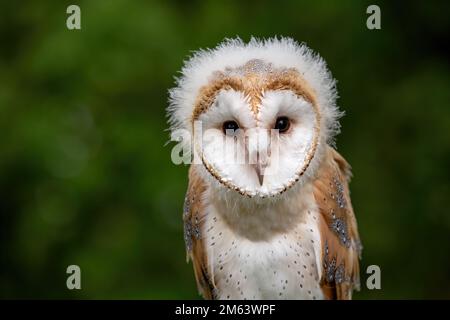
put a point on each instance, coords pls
(341, 247)
(193, 218)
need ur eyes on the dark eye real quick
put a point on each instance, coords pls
(230, 125)
(282, 124)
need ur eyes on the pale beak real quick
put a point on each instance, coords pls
(259, 169)
(258, 149)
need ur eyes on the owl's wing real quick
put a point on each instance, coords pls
(193, 217)
(341, 249)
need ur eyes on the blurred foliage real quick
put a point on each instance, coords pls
(85, 177)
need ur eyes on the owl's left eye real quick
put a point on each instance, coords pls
(230, 127)
(282, 124)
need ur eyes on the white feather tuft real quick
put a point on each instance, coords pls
(281, 52)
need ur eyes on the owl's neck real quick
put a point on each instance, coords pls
(261, 219)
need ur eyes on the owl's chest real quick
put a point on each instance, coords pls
(283, 266)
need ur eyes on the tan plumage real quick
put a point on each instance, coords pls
(344, 248)
(193, 217)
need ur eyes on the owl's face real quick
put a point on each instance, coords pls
(258, 151)
(258, 126)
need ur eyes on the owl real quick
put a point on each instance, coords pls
(267, 213)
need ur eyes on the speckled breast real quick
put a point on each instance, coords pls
(284, 267)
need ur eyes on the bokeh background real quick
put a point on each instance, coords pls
(86, 178)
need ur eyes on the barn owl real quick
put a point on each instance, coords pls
(278, 224)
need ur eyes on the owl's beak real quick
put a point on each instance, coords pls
(259, 169)
(258, 148)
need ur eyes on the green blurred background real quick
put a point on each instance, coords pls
(85, 177)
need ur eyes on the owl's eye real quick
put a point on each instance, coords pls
(282, 124)
(230, 125)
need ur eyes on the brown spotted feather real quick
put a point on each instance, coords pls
(193, 218)
(341, 245)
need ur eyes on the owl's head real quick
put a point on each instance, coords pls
(260, 114)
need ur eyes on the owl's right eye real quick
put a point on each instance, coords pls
(230, 127)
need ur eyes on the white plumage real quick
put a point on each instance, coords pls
(283, 52)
